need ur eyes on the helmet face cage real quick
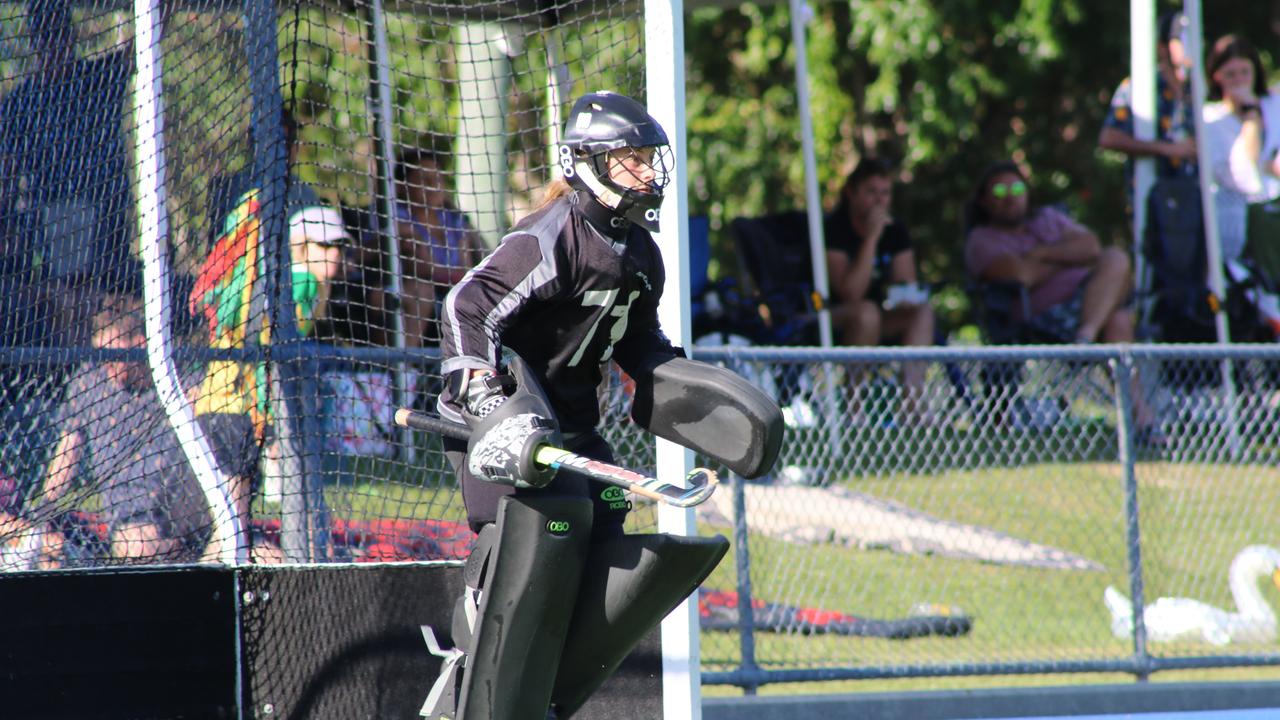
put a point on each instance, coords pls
(644, 170)
(630, 181)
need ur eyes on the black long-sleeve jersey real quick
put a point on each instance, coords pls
(570, 287)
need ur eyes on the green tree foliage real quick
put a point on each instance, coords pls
(939, 87)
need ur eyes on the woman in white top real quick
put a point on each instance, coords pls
(1243, 133)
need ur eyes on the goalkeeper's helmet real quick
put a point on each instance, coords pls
(613, 149)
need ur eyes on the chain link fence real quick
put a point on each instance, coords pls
(1003, 521)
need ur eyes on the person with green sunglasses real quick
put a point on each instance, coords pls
(1081, 286)
(1076, 289)
(1009, 189)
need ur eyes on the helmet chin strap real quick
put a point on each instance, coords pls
(607, 197)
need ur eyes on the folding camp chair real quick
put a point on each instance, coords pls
(1181, 303)
(773, 252)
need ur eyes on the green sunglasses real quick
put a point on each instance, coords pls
(1003, 190)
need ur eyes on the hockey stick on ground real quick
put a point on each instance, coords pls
(702, 482)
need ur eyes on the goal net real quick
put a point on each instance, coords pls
(227, 229)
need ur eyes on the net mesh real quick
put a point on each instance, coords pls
(301, 313)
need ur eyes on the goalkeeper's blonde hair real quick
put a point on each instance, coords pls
(557, 189)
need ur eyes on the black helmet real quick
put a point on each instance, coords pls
(599, 124)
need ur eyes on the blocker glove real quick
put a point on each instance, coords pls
(506, 431)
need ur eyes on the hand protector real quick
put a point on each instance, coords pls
(502, 449)
(507, 431)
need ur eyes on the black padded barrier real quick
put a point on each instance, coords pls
(316, 643)
(109, 645)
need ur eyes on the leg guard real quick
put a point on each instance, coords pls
(710, 410)
(442, 702)
(630, 583)
(511, 624)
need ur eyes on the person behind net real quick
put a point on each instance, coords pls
(63, 178)
(525, 334)
(230, 295)
(150, 501)
(437, 243)
(872, 269)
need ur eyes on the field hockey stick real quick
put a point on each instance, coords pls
(701, 481)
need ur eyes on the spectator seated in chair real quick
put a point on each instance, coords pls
(876, 296)
(776, 264)
(1077, 290)
(150, 499)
